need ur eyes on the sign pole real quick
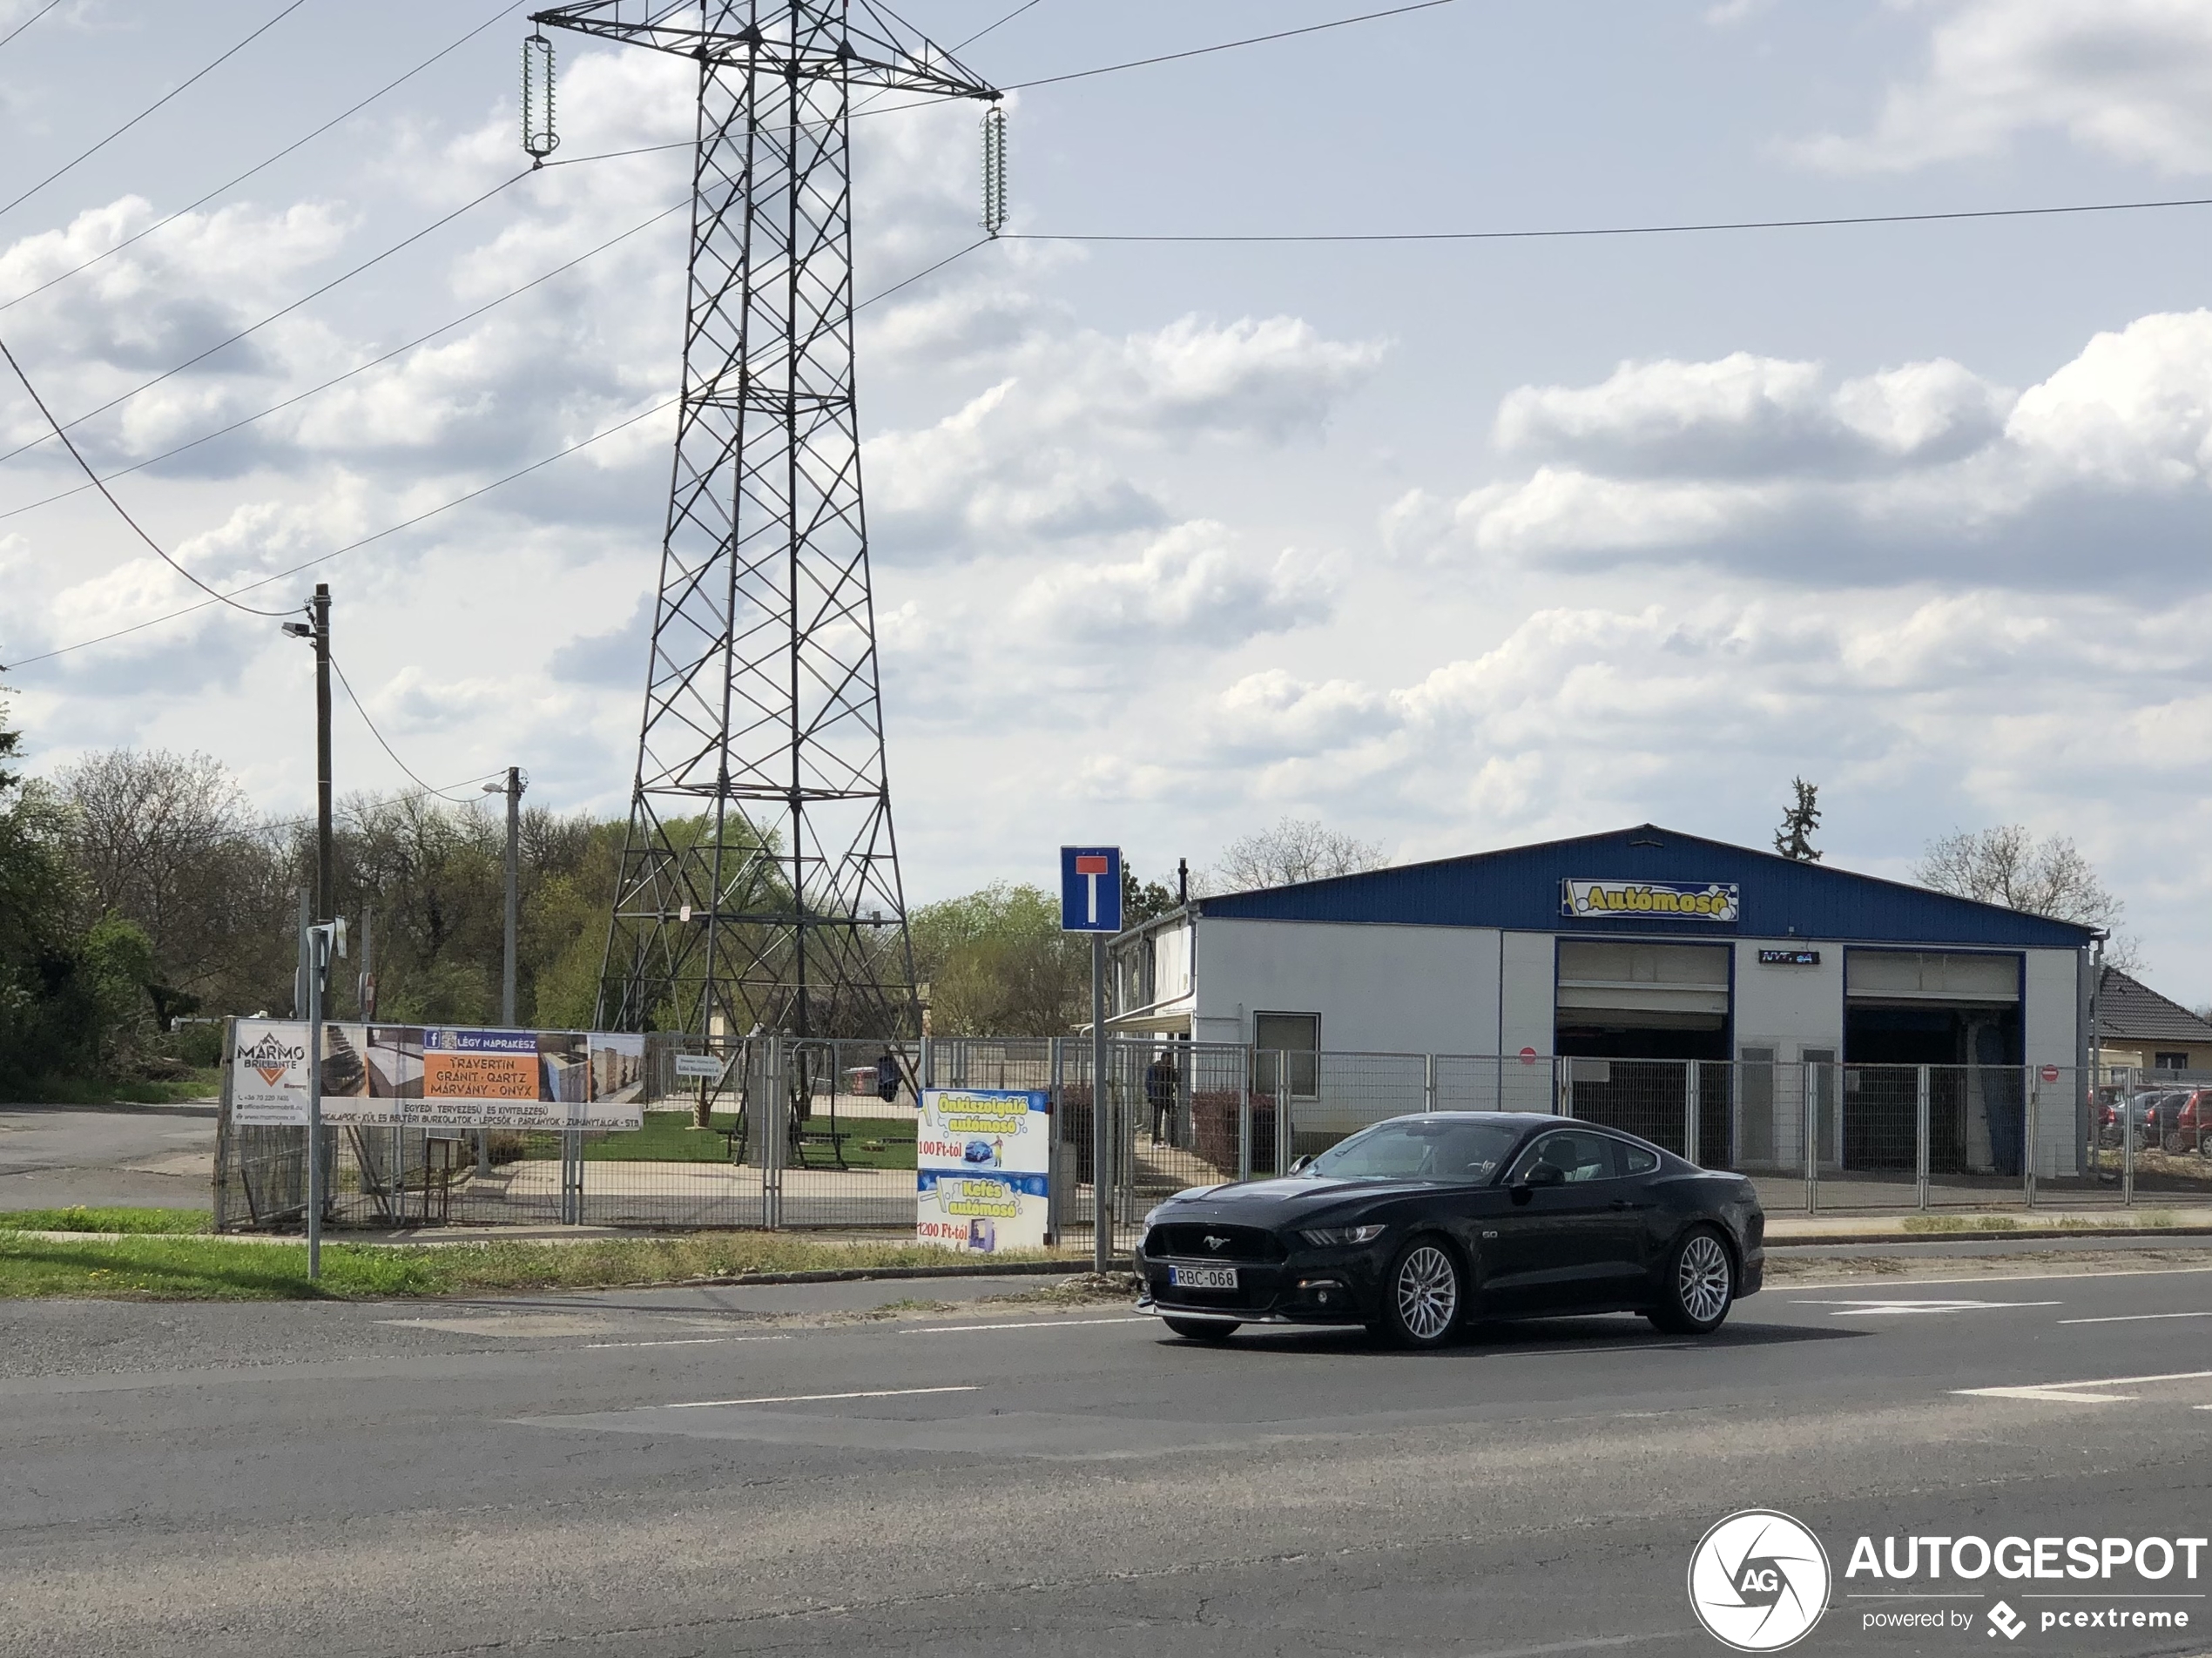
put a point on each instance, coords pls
(311, 951)
(1101, 1134)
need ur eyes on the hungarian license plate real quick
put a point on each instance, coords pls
(1202, 1277)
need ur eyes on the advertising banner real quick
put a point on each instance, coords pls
(982, 1164)
(407, 1076)
(1587, 900)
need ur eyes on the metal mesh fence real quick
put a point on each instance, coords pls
(822, 1133)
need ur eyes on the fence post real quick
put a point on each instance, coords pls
(1055, 1193)
(2124, 1114)
(1562, 1087)
(1244, 1117)
(2028, 1127)
(1285, 1140)
(1920, 1138)
(1689, 1113)
(1428, 1082)
(1811, 1102)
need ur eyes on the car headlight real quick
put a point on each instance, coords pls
(1331, 1238)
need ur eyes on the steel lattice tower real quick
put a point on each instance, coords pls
(759, 880)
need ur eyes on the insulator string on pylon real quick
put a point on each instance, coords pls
(539, 139)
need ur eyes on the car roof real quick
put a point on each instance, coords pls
(1527, 1121)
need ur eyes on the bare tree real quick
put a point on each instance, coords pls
(171, 843)
(2008, 865)
(1296, 849)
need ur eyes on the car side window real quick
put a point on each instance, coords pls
(1634, 1160)
(1579, 1156)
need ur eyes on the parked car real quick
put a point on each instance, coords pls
(2153, 1114)
(1416, 1226)
(2192, 1130)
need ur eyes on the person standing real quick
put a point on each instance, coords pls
(1163, 1083)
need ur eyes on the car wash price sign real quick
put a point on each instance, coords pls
(982, 1164)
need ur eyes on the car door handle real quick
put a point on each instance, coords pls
(1624, 1202)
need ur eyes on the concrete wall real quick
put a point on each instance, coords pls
(1378, 989)
(2051, 1033)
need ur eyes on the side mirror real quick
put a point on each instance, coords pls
(1542, 1173)
(1298, 1163)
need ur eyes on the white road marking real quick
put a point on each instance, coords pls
(2135, 1318)
(1896, 1308)
(1899, 1281)
(810, 1399)
(2071, 1393)
(1034, 1324)
(678, 1341)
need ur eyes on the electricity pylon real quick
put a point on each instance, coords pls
(759, 880)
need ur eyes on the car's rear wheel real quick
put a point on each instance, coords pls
(1700, 1285)
(1201, 1329)
(2175, 1144)
(1424, 1297)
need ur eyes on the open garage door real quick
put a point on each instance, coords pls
(1947, 1024)
(1645, 1031)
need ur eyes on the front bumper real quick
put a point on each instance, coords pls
(1326, 1287)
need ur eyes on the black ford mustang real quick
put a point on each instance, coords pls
(1416, 1225)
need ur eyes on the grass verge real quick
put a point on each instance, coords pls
(213, 1269)
(83, 1090)
(1961, 1224)
(81, 1219)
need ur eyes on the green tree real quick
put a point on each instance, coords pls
(997, 964)
(50, 1005)
(1794, 838)
(1141, 899)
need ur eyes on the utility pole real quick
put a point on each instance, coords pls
(318, 633)
(513, 790)
(763, 711)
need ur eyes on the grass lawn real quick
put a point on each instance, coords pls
(80, 1219)
(210, 1269)
(668, 1136)
(79, 1090)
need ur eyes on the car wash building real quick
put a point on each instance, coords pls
(1724, 1002)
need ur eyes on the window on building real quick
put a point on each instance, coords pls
(1297, 1037)
(2169, 1062)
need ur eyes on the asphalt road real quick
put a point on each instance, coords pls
(727, 1471)
(152, 1156)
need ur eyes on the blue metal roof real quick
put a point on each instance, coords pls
(1518, 889)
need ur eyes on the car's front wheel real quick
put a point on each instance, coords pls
(1425, 1296)
(1700, 1285)
(1201, 1329)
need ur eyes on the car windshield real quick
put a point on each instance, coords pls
(1417, 1150)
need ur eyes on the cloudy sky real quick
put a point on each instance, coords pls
(1451, 544)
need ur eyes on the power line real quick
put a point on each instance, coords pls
(49, 6)
(263, 165)
(1634, 230)
(972, 39)
(1226, 46)
(356, 807)
(87, 155)
(354, 697)
(304, 298)
(459, 501)
(360, 368)
(351, 546)
(159, 551)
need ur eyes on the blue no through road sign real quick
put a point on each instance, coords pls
(1091, 889)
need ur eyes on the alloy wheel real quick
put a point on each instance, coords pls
(1703, 1278)
(1428, 1293)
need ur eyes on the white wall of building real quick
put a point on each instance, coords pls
(1789, 1009)
(1378, 988)
(2050, 1028)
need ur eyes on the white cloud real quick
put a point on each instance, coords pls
(2129, 78)
(1191, 584)
(1774, 467)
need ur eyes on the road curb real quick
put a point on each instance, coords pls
(1812, 1240)
(864, 1274)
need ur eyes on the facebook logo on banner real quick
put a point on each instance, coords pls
(1091, 889)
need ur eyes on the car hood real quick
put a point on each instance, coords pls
(1271, 1202)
